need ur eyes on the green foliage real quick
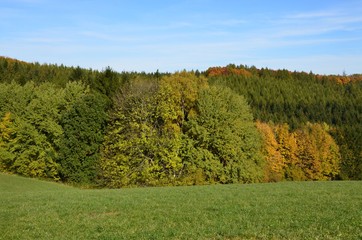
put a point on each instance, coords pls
(32, 155)
(178, 95)
(15, 98)
(225, 141)
(51, 130)
(176, 129)
(83, 123)
(107, 82)
(32, 149)
(349, 138)
(179, 131)
(296, 98)
(139, 148)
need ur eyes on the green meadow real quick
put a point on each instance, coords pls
(34, 209)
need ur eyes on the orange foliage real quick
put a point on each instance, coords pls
(341, 79)
(309, 153)
(225, 71)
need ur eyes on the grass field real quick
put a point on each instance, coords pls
(33, 209)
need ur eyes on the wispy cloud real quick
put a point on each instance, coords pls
(311, 28)
(313, 14)
(107, 36)
(229, 22)
(46, 40)
(172, 36)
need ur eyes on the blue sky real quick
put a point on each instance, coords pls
(323, 36)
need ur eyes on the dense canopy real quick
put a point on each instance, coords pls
(233, 124)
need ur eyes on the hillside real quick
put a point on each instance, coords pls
(295, 98)
(110, 129)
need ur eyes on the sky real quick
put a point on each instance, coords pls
(322, 36)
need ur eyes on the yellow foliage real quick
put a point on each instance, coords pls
(178, 94)
(5, 130)
(275, 163)
(309, 153)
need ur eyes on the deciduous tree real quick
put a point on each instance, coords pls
(275, 163)
(225, 137)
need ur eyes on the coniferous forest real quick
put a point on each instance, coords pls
(233, 124)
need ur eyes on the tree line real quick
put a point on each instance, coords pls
(110, 129)
(296, 98)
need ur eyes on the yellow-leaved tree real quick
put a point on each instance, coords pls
(287, 146)
(6, 131)
(317, 152)
(275, 162)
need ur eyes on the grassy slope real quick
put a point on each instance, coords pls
(32, 209)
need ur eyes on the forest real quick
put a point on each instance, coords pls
(232, 124)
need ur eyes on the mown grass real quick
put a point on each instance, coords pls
(33, 209)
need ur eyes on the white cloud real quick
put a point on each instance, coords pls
(193, 40)
(313, 15)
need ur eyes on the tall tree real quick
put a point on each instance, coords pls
(178, 94)
(140, 148)
(83, 122)
(317, 152)
(38, 133)
(275, 163)
(287, 147)
(226, 138)
(6, 136)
